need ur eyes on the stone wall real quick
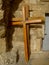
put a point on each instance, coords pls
(36, 34)
(38, 7)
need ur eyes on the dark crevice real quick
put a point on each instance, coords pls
(9, 7)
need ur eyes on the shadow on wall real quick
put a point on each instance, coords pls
(9, 7)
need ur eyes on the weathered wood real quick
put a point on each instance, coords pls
(26, 42)
(25, 21)
(17, 21)
(25, 29)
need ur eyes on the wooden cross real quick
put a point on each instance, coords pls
(25, 22)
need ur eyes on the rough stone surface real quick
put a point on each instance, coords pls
(36, 35)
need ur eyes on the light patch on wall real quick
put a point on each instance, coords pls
(46, 39)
